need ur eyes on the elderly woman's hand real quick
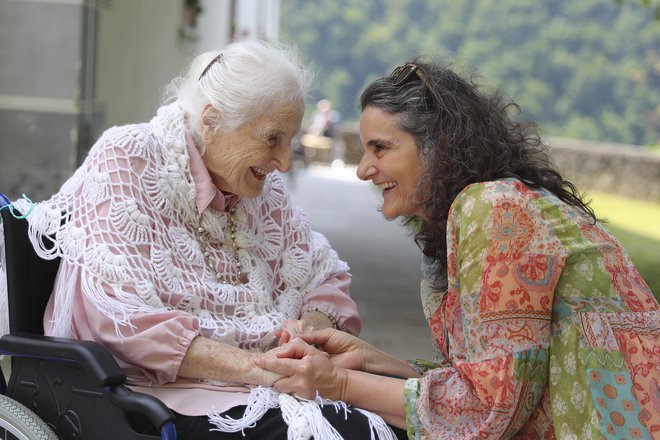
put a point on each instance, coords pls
(308, 322)
(293, 328)
(210, 359)
(307, 371)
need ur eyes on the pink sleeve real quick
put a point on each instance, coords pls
(155, 342)
(332, 297)
(155, 346)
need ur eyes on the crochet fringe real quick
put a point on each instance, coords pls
(303, 416)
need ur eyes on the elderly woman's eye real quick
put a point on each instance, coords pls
(273, 140)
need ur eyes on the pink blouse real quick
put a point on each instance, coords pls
(161, 340)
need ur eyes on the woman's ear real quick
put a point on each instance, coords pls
(209, 121)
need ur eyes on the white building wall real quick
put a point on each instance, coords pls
(257, 19)
(213, 25)
(143, 44)
(139, 52)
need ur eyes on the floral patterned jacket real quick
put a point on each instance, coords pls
(546, 329)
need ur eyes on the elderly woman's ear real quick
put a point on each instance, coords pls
(209, 121)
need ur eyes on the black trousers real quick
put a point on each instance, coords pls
(351, 425)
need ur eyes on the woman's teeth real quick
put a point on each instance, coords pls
(386, 185)
(259, 171)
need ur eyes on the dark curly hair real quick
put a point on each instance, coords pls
(465, 136)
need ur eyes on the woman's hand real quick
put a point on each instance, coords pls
(307, 371)
(345, 350)
(348, 351)
(261, 376)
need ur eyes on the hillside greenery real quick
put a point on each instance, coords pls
(586, 69)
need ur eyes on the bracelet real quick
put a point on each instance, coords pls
(416, 367)
(332, 319)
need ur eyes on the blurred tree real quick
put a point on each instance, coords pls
(589, 68)
(654, 6)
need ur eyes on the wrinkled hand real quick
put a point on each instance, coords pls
(263, 376)
(295, 349)
(293, 328)
(306, 370)
(267, 378)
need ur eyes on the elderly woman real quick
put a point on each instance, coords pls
(543, 326)
(183, 254)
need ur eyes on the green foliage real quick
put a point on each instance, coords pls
(588, 68)
(652, 5)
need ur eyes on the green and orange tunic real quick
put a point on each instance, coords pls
(546, 329)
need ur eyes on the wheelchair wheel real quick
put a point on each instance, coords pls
(17, 422)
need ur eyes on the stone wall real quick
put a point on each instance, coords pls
(621, 169)
(625, 170)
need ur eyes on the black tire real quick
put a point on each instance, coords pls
(17, 422)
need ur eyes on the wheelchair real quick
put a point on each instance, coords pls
(58, 387)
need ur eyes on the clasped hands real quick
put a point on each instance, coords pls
(313, 362)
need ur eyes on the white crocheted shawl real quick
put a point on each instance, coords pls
(127, 224)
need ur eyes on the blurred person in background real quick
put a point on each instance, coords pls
(324, 132)
(325, 121)
(182, 253)
(542, 325)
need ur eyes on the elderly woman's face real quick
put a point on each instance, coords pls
(239, 160)
(390, 159)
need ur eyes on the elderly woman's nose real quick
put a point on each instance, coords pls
(283, 159)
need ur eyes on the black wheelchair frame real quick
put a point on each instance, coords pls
(75, 387)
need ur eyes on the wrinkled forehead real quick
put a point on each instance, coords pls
(285, 118)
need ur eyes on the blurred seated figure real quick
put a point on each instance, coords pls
(324, 133)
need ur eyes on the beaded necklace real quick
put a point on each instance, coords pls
(211, 262)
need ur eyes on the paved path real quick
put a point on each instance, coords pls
(384, 260)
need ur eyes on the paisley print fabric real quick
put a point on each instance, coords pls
(546, 329)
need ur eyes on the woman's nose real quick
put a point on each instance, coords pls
(365, 170)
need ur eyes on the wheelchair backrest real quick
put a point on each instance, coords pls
(30, 279)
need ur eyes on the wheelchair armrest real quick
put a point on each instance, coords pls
(140, 403)
(95, 360)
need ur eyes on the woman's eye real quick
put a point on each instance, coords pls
(273, 140)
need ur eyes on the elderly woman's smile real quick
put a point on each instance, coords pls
(239, 160)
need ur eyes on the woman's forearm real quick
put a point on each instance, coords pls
(381, 395)
(381, 363)
(208, 359)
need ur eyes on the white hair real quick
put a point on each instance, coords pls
(240, 81)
